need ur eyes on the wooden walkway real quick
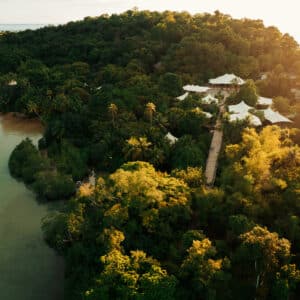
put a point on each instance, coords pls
(215, 148)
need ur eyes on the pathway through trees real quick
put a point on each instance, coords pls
(215, 148)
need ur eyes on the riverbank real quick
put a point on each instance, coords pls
(30, 270)
(16, 122)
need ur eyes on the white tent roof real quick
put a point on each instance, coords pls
(12, 83)
(264, 76)
(254, 120)
(207, 114)
(242, 107)
(264, 101)
(209, 99)
(182, 97)
(227, 79)
(200, 111)
(195, 88)
(274, 116)
(171, 138)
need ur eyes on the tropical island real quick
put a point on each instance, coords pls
(173, 140)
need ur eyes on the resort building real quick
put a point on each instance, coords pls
(240, 108)
(263, 101)
(209, 99)
(254, 120)
(226, 81)
(241, 112)
(12, 83)
(182, 97)
(274, 117)
(207, 114)
(171, 138)
(196, 88)
(200, 111)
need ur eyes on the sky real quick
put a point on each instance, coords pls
(282, 14)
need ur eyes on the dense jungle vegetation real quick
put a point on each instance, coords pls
(106, 89)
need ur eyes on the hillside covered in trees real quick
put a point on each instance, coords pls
(105, 88)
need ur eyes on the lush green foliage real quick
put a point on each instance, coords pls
(105, 89)
(27, 163)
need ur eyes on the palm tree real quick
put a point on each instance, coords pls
(150, 110)
(137, 148)
(113, 109)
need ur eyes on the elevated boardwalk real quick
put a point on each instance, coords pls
(215, 148)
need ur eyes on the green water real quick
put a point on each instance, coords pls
(29, 270)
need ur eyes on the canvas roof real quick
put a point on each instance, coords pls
(195, 88)
(171, 138)
(182, 97)
(274, 116)
(200, 111)
(254, 120)
(242, 107)
(227, 79)
(207, 114)
(12, 83)
(264, 101)
(209, 99)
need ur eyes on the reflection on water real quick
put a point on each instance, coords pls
(29, 270)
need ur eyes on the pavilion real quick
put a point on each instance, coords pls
(182, 97)
(207, 114)
(12, 83)
(226, 81)
(171, 138)
(254, 120)
(209, 99)
(263, 101)
(240, 108)
(274, 116)
(196, 88)
(198, 110)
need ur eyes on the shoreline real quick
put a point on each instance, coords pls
(25, 253)
(17, 122)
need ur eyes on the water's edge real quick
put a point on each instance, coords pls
(29, 269)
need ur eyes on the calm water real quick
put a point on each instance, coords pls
(20, 27)
(29, 270)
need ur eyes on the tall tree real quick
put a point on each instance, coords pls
(113, 110)
(150, 110)
(268, 253)
(137, 148)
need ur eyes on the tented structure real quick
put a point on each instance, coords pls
(171, 138)
(196, 88)
(207, 114)
(254, 120)
(209, 99)
(12, 83)
(182, 97)
(227, 80)
(274, 116)
(240, 108)
(264, 101)
(200, 111)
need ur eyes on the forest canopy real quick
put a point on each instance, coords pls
(148, 227)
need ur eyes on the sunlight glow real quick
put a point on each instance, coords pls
(283, 14)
